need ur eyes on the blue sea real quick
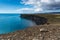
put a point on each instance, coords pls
(13, 22)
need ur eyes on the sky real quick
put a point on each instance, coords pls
(29, 6)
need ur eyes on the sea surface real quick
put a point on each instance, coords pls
(13, 22)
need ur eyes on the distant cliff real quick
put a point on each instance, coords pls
(37, 19)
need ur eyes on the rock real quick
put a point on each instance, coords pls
(37, 19)
(43, 30)
(35, 39)
(34, 33)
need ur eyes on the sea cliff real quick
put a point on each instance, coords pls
(37, 19)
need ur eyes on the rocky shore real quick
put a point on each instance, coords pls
(37, 19)
(41, 32)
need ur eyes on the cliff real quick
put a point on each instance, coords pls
(37, 19)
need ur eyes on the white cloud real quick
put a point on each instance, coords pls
(46, 1)
(38, 10)
(39, 5)
(35, 3)
(28, 2)
(32, 2)
(29, 10)
(24, 10)
(57, 0)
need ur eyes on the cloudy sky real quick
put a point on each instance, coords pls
(29, 6)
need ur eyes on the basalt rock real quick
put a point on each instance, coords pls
(37, 19)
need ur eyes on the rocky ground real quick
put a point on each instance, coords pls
(40, 32)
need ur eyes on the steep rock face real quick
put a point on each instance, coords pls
(37, 19)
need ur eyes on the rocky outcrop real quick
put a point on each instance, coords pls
(37, 19)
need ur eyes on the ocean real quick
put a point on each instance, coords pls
(13, 22)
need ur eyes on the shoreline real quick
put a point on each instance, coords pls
(33, 32)
(39, 32)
